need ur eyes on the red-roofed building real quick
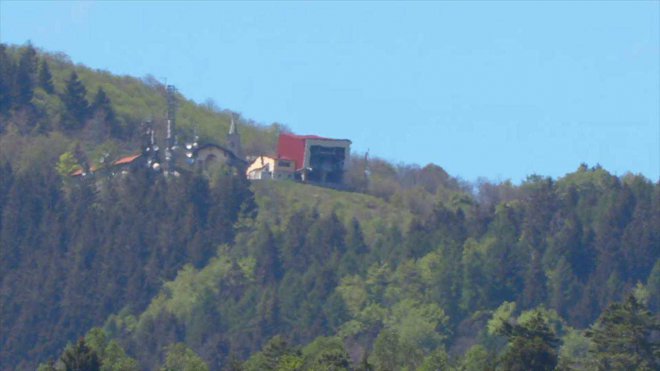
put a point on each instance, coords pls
(126, 160)
(123, 163)
(315, 158)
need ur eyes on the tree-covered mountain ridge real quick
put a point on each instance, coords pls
(409, 268)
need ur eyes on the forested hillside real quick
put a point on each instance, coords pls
(409, 268)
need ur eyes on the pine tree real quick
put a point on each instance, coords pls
(46, 78)
(26, 76)
(355, 238)
(6, 80)
(104, 116)
(622, 337)
(274, 351)
(269, 267)
(532, 346)
(80, 357)
(75, 103)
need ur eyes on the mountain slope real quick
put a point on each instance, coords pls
(409, 266)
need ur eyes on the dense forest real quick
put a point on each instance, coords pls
(408, 268)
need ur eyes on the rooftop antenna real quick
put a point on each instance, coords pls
(191, 147)
(195, 135)
(171, 126)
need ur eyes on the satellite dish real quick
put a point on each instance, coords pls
(188, 146)
(189, 154)
(156, 166)
(155, 148)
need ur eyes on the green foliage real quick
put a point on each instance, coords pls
(46, 78)
(275, 355)
(48, 366)
(574, 352)
(622, 337)
(96, 339)
(500, 317)
(438, 360)
(532, 345)
(115, 359)
(80, 357)
(67, 164)
(182, 358)
(103, 116)
(75, 103)
(477, 358)
(6, 81)
(424, 325)
(387, 354)
(653, 288)
(26, 76)
(326, 354)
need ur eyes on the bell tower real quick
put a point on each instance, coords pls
(234, 138)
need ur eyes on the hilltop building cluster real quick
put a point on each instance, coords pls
(304, 158)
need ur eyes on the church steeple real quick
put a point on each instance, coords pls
(234, 139)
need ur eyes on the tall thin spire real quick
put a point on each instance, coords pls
(232, 127)
(233, 138)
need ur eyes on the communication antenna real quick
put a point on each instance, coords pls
(190, 147)
(195, 135)
(171, 126)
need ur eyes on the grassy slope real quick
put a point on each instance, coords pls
(136, 100)
(278, 200)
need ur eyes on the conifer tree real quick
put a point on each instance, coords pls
(80, 357)
(269, 267)
(26, 76)
(532, 345)
(75, 103)
(6, 80)
(104, 114)
(623, 339)
(46, 78)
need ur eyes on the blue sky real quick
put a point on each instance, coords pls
(484, 89)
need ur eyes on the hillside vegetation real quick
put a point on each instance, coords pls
(407, 268)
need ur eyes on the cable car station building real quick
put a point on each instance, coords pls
(307, 158)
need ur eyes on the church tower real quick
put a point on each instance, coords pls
(234, 139)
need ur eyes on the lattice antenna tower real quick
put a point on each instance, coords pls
(171, 125)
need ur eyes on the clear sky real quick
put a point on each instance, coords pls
(494, 89)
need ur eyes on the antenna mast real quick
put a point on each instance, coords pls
(171, 126)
